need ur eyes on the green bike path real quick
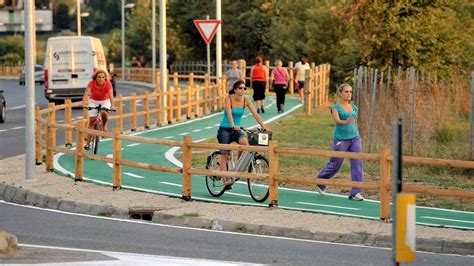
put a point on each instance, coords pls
(206, 128)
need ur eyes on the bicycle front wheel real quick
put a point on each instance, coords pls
(258, 189)
(95, 140)
(214, 184)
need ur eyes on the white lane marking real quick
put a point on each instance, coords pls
(238, 194)
(169, 137)
(169, 155)
(16, 107)
(171, 184)
(134, 144)
(122, 258)
(4, 130)
(216, 125)
(134, 175)
(446, 219)
(182, 134)
(197, 130)
(14, 128)
(209, 127)
(328, 206)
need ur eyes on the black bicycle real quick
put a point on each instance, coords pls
(251, 162)
(94, 145)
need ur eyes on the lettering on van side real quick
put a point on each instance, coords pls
(57, 55)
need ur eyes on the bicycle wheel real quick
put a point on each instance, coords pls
(258, 189)
(214, 184)
(95, 140)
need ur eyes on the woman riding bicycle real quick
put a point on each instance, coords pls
(99, 91)
(229, 129)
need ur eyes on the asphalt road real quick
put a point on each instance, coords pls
(52, 228)
(12, 132)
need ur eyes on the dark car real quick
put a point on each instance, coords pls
(3, 108)
(39, 75)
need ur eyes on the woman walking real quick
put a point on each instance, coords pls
(259, 82)
(346, 138)
(233, 75)
(279, 80)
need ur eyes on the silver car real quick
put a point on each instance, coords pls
(39, 75)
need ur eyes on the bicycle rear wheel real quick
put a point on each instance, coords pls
(95, 140)
(258, 189)
(214, 184)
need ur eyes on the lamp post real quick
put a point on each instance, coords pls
(129, 5)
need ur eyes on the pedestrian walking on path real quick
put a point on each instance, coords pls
(279, 80)
(259, 83)
(346, 138)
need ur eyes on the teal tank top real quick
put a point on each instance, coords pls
(237, 114)
(349, 131)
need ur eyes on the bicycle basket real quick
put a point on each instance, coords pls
(259, 138)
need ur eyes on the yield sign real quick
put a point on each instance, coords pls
(207, 28)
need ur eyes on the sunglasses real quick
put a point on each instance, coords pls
(242, 88)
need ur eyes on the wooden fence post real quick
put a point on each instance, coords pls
(159, 112)
(68, 121)
(146, 107)
(179, 117)
(39, 133)
(170, 112)
(119, 104)
(117, 171)
(220, 92)
(385, 155)
(205, 94)
(272, 172)
(79, 172)
(189, 100)
(133, 110)
(187, 164)
(191, 79)
(197, 108)
(50, 138)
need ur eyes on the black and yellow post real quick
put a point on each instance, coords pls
(403, 207)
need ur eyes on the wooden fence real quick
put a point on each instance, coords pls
(10, 71)
(194, 101)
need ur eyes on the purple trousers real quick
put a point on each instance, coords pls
(334, 164)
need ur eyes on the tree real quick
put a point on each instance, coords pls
(61, 17)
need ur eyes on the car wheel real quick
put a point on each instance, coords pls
(3, 114)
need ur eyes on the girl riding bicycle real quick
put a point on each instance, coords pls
(99, 91)
(229, 130)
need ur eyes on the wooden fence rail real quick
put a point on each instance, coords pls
(204, 99)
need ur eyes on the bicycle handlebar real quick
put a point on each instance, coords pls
(259, 129)
(100, 108)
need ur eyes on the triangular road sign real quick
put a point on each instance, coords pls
(207, 28)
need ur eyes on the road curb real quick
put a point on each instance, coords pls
(25, 197)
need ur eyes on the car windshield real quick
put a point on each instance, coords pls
(38, 68)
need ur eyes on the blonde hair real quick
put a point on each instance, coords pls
(278, 62)
(341, 88)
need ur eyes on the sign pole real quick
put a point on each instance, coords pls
(208, 60)
(30, 52)
(397, 178)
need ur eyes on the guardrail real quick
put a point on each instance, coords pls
(197, 101)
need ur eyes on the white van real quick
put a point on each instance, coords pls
(69, 64)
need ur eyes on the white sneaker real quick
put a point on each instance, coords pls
(321, 191)
(357, 197)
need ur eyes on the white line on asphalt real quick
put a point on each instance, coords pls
(208, 127)
(445, 219)
(169, 155)
(134, 175)
(182, 134)
(13, 128)
(16, 107)
(197, 130)
(171, 184)
(169, 137)
(329, 206)
(134, 144)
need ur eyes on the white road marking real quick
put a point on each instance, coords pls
(169, 137)
(238, 194)
(208, 127)
(16, 107)
(182, 134)
(328, 206)
(445, 219)
(171, 184)
(14, 128)
(197, 130)
(134, 175)
(133, 144)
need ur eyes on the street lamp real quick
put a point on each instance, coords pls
(124, 6)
